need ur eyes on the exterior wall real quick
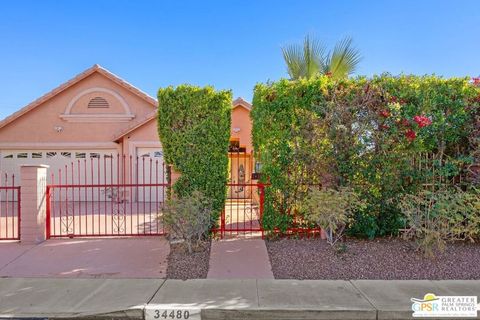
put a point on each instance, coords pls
(145, 136)
(241, 120)
(37, 126)
(146, 132)
(80, 106)
(82, 129)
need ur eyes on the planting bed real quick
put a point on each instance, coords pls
(182, 265)
(376, 259)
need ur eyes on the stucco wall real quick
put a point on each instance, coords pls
(143, 136)
(37, 126)
(146, 132)
(241, 120)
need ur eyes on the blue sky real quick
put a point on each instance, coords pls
(227, 44)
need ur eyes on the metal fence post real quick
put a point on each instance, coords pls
(47, 222)
(222, 224)
(262, 202)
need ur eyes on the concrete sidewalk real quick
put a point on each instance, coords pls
(220, 299)
(87, 258)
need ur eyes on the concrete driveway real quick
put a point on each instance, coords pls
(87, 258)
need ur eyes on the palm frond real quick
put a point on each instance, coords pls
(311, 59)
(304, 61)
(293, 56)
(344, 59)
(313, 52)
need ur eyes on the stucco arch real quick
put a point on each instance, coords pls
(120, 99)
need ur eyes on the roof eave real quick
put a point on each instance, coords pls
(95, 68)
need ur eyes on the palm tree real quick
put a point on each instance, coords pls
(311, 59)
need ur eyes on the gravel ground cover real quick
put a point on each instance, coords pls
(370, 259)
(182, 265)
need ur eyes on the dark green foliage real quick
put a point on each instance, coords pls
(194, 128)
(365, 226)
(366, 134)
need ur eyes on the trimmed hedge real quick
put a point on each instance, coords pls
(194, 128)
(361, 133)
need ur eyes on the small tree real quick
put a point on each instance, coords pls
(189, 218)
(194, 128)
(331, 210)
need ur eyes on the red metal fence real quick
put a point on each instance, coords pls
(9, 209)
(113, 196)
(109, 196)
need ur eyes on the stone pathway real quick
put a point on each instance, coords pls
(239, 258)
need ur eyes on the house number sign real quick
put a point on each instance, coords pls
(171, 312)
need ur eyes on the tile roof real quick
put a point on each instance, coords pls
(71, 82)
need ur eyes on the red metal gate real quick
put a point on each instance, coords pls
(9, 209)
(245, 197)
(243, 216)
(107, 197)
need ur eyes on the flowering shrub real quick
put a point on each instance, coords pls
(422, 121)
(476, 81)
(410, 135)
(363, 134)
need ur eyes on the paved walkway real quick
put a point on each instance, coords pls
(87, 258)
(239, 258)
(220, 299)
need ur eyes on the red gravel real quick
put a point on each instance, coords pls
(377, 259)
(182, 265)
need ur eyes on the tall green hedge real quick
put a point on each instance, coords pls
(194, 128)
(362, 133)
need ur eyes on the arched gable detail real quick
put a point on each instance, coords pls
(96, 117)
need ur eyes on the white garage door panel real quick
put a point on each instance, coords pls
(150, 171)
(11, 160)
(88, 167)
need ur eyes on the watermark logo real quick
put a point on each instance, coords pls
(444, 306)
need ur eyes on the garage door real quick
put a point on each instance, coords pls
(68, 166)
(151, 170)
(11, 160)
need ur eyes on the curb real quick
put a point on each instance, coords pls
(219, 299)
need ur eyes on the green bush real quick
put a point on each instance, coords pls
(330, 210)
(367, 134)
(189, 219)
(363, 225)
(194, 128)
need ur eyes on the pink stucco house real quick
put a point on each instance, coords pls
(95, 115)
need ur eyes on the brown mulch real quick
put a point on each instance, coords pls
(370, 259)
(182, 265)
